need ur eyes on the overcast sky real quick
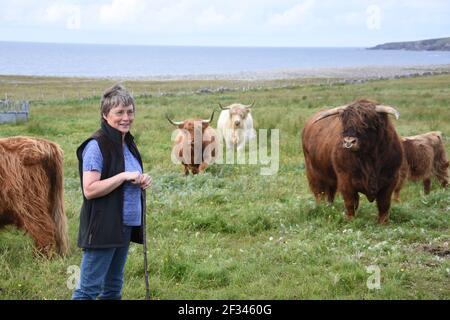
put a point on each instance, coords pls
(293, 23)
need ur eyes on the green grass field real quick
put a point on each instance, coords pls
(232, 233)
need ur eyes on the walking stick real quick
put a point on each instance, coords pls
(144, 222)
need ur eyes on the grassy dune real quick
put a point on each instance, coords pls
(232, 233)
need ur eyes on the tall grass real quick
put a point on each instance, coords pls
(232, 233)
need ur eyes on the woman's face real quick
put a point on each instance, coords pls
(120, 118)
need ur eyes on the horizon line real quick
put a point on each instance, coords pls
(180, 45)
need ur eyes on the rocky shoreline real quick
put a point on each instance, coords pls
(289, 78)
(169, 85)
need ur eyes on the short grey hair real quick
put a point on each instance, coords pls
(113, 97)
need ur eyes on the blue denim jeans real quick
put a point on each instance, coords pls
(101, 272)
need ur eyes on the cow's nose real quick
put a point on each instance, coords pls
(350, 142)
(237, 122)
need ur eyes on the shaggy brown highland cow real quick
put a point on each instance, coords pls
(31, 191)
(353, 149)
(196, 144)
(424, 158)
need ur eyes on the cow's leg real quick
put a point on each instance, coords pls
(319, 191)
(356, 199)
(350, 204)
(317, 196)
(397, 189)
(43, 233)
(203, 166)
(351, 198)
(427, 185)
(315, 187)
(442, 174)
(186, 169)
(331, 193)
(208, 158)
(194, 170)
(229, 159)
(384, 204)
(9, 217)
(396, 196)
(240, 150)
(443, 178)
(402, 175)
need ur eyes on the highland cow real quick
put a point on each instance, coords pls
(353, 149)
(31, 191)
(196, 144)
(424, 157)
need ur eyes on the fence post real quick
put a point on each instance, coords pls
(11, 111)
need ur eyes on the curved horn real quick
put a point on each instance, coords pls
(328, 113)
(388, 110)
(210, 119)
(252, 105)
(175, 123)
(222, 107)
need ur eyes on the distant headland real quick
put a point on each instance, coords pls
(441, 44)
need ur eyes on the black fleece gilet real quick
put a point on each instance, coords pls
(101, 219)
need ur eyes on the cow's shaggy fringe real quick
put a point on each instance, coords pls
(361, 117)
(32, 191)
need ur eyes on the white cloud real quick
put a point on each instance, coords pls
(174, 16)
(294, 16)
(210, 17)
(67, 14)
(265, 22)
(373, 21)
(213, 19)
(121, 11)
(353, 18)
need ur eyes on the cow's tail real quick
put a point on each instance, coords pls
(56, 175)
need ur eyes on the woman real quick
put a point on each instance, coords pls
(113, 187)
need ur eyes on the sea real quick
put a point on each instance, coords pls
(136, 61)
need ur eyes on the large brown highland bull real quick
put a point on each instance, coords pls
(353, 149)
(424, 157)
(31, 191)
(196, 144)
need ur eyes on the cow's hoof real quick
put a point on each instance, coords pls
(384, 220)
(397, 200)
(349, 217)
